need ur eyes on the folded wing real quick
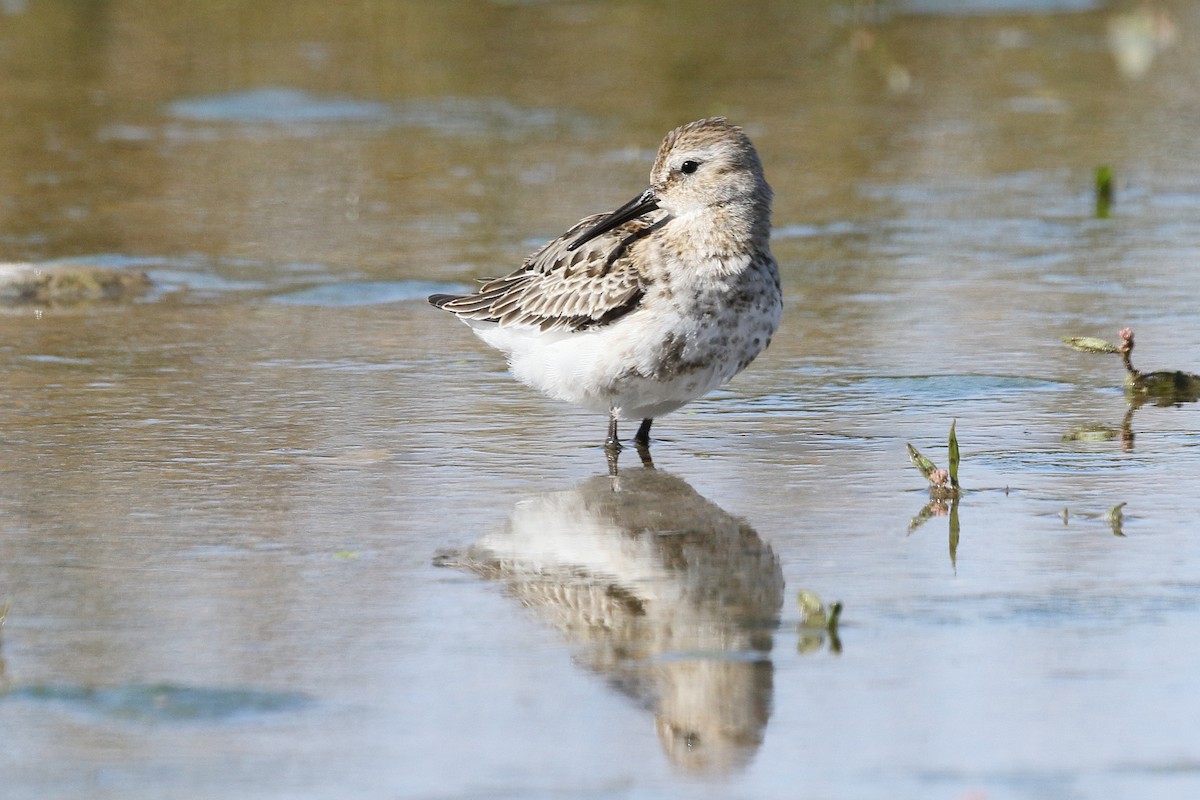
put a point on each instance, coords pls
(563, 290)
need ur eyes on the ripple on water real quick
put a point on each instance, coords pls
(342, 295)
(913, 393)
(1103, 605)
(277, 105)
(161, 702)
(952, 388)
(965, 7)
(297, 111)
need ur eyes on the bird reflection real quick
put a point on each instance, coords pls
(666, 595)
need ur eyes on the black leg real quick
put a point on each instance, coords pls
(642, 439)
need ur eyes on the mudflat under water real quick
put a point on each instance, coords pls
(276, 528)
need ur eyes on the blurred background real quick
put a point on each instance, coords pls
(380, 136)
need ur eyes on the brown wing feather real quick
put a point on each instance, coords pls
(561, 289)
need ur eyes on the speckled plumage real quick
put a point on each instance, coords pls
(638, 312)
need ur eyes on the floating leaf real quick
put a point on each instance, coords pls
(1090, 344)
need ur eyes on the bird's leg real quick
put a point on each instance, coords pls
(642, 439)
(612, 444)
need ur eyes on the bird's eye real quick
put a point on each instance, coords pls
(689, 166)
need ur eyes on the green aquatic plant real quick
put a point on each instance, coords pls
(944, 490)
(818, 621)
(1162, 387)
(1104, 191)
(943, 483)
(1116, 518)
(1091, 433)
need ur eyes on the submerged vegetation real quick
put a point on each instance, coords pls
(55, 284)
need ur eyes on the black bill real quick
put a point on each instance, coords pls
(639, 205)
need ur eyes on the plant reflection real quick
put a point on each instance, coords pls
(666, 595)
(944, 492)
(1100, 432)
(941, 507)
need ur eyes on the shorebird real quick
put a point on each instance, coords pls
(639, 311)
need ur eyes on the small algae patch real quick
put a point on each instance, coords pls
(67, 284)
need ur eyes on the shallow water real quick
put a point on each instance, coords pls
(279, 529)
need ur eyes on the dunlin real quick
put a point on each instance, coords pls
(638, 312)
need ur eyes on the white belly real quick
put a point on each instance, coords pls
(646, 364)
